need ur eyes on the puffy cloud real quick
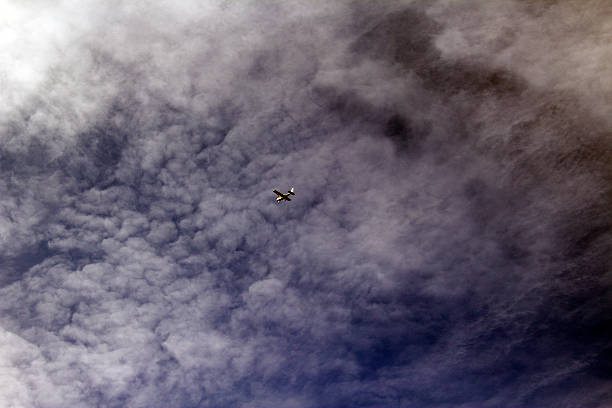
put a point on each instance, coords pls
(448, 244)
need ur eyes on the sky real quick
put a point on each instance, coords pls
(448, 245)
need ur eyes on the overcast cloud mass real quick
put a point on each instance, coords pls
(448, 245)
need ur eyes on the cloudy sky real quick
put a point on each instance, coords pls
(448, 245)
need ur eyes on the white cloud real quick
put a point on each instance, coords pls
(146, 263)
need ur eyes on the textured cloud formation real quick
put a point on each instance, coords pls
(448, 245)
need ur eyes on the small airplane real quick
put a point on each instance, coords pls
(282, 196)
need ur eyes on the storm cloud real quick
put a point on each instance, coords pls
(448, 245)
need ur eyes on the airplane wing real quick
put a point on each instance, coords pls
(278, 193)
(287, 198)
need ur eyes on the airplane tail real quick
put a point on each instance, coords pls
(291, 191)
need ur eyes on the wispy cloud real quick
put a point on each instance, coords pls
(447, 247)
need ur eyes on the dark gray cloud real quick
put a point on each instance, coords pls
(448, 245)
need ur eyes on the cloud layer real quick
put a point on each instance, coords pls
(448, 245)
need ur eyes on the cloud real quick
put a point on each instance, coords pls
(447, 245)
